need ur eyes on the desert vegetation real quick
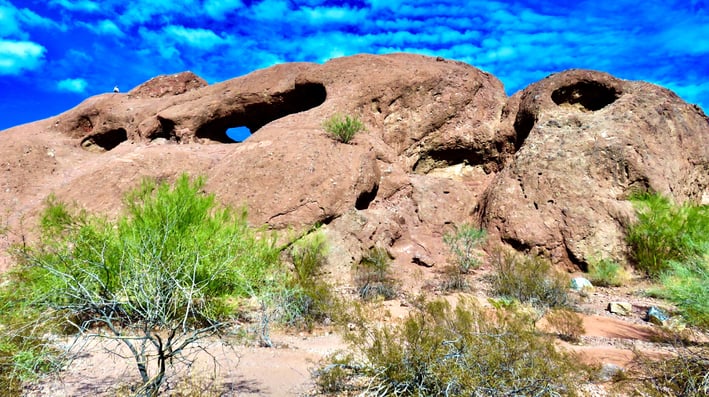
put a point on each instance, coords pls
(170, 272)
(343, 127)
(176, 268)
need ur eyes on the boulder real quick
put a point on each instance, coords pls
(584, 142)
(620, 308)
(581, 284)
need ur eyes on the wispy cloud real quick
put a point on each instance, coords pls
(72, 85)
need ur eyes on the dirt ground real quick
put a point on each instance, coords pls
(234, 367)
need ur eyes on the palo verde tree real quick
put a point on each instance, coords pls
(159, 279)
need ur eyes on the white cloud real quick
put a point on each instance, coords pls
(80, 5)
(16, 56)
(72, 85)
(203, 39)
(217, 9)
(108, 27)
(13, 19)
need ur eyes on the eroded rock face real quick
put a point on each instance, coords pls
(547, 170)
(586, 141)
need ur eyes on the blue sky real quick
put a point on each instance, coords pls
(55, 53)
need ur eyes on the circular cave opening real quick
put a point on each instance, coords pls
(238, 134)
(587, 95)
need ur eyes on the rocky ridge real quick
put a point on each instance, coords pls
(548, 170)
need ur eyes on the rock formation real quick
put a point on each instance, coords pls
(548, 170)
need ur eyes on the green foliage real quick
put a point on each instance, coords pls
(306, 298)
(687, 285)
(373, 276)
(463, 244)
(530, 280)
(607, 273)
(671, 243)
(666, 232)
(175, 263)
(343, 128)
(467, 350)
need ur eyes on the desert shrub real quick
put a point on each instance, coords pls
(466, 350)
(453, 279)
(343, 128)
(159, 279)
(671, 244)
(666, 232)
(607, 273)
(566, 323)
(373, 277)
(463, 243)
(529, 279)
(687, 285)
(685, 374)
(306, 298)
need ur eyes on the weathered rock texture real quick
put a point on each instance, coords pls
(586, 141)
(546, 170)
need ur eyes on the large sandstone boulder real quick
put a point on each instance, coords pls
(586, 141)
(546, 170)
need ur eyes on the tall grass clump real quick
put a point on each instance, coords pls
(607, 273)
(684, 374)
(160, 278)
(343, 128)
(440, 350)
(306, 298)
(373, 277)
(529, 279)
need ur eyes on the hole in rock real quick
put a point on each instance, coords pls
(105, 140)
(524, 122)
(366, 198)
(448, 157)
(589, 95)
(255, 115)
(238, 134)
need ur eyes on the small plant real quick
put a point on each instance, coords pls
(306, 299)
(463, 243)
(530, 280)
(373, 276)
(607, 273)
(453, 279)
(343, 128)
(567, 324)
(440, 350)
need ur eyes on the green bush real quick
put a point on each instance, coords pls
(529, 280)
(671, 244)
(306, 299)
(343, 128)
(607, 273)
(666, 232)
(373, 276)
(463, 244)
(467, 350)
(174, 265)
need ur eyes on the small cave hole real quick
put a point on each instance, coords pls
(524, 122)
(253, 116)
(238, 134)
(105, 141)
(365, 198)
(447, 157)
(588, 95)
